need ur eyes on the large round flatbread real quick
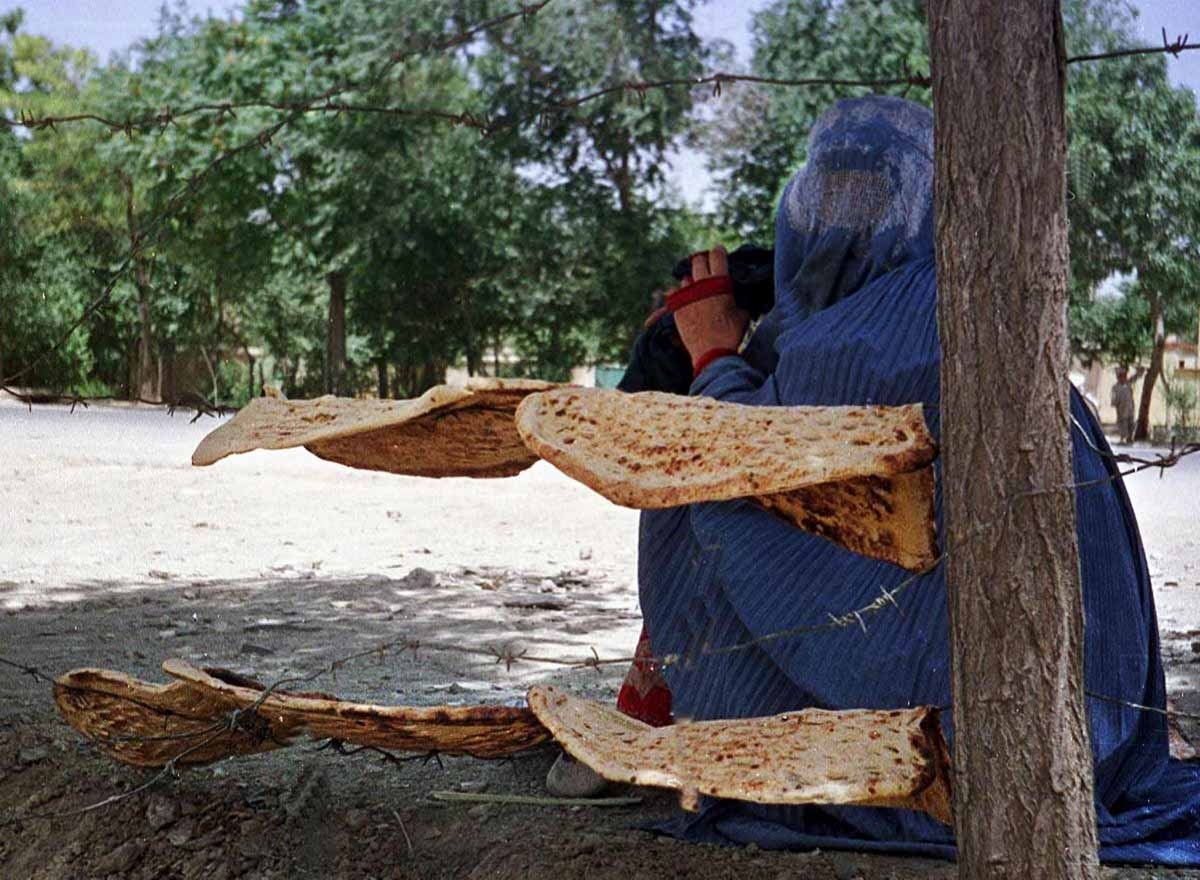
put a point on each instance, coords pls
(859, 476)
(448, 431)
(187, 720)
(888, 758)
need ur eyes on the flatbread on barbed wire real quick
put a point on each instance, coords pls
(449, 431)
(886, 758)
(887, 518)
(150, 725)
(188, 719)
(859, 476)
(480, 731)
(651, 449)
(893, 758)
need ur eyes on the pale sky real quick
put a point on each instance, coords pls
(106, 26)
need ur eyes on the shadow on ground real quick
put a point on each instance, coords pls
(308, 812)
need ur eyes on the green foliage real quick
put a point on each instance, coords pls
(601, 235)
(1114, 329)
(1183, 401)
(40, 297)
(543, 241)
(1118, 329)
(43, 270)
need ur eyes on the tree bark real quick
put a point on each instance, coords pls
(470, 341)
(1155, 371)
(381, 371)
(146, 372)
(212, 363)
(335, 338)
(1023, 772)
(250, 360)
(166, 361)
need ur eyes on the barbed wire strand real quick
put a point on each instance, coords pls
(318, 102)
(189, 400)
(324, 102)
(511, 653)
(245, 718)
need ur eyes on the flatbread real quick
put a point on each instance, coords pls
(858, 476)
(448, 431)
(150, 725)
(886, 758)
(187, 720)
(651, 449)
(479, 731)
(894, 758)
(886, 518)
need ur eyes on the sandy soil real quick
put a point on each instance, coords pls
(117, 553)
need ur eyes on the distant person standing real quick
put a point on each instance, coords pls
(1122, 400)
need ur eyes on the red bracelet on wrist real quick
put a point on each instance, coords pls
(717, 285)
(708, 357)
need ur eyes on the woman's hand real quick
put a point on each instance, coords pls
(715, 323)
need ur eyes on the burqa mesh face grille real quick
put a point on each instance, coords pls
(853, 199)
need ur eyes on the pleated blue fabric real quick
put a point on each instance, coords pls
(720, 574)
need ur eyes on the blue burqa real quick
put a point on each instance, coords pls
(855, 323)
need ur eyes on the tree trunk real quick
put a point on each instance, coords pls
(291, 378)
(166, 361)
(250, 360)
(470, 342)
(146, 373)
(335, 335)
(212, 363)
(1154, 373)
(131, 372)
(1023, 772)
(381, 371)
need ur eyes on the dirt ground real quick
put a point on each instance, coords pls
(117, 553)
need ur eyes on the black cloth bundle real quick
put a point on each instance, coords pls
(659, 362)
(752, 269)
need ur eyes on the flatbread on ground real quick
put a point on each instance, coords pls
(857, 475)
(886, 758)
(187, 720)
(149, 725)
(480, 731)
(894, 758)
(448, 431)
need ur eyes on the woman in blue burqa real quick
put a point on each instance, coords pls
(854, 322)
